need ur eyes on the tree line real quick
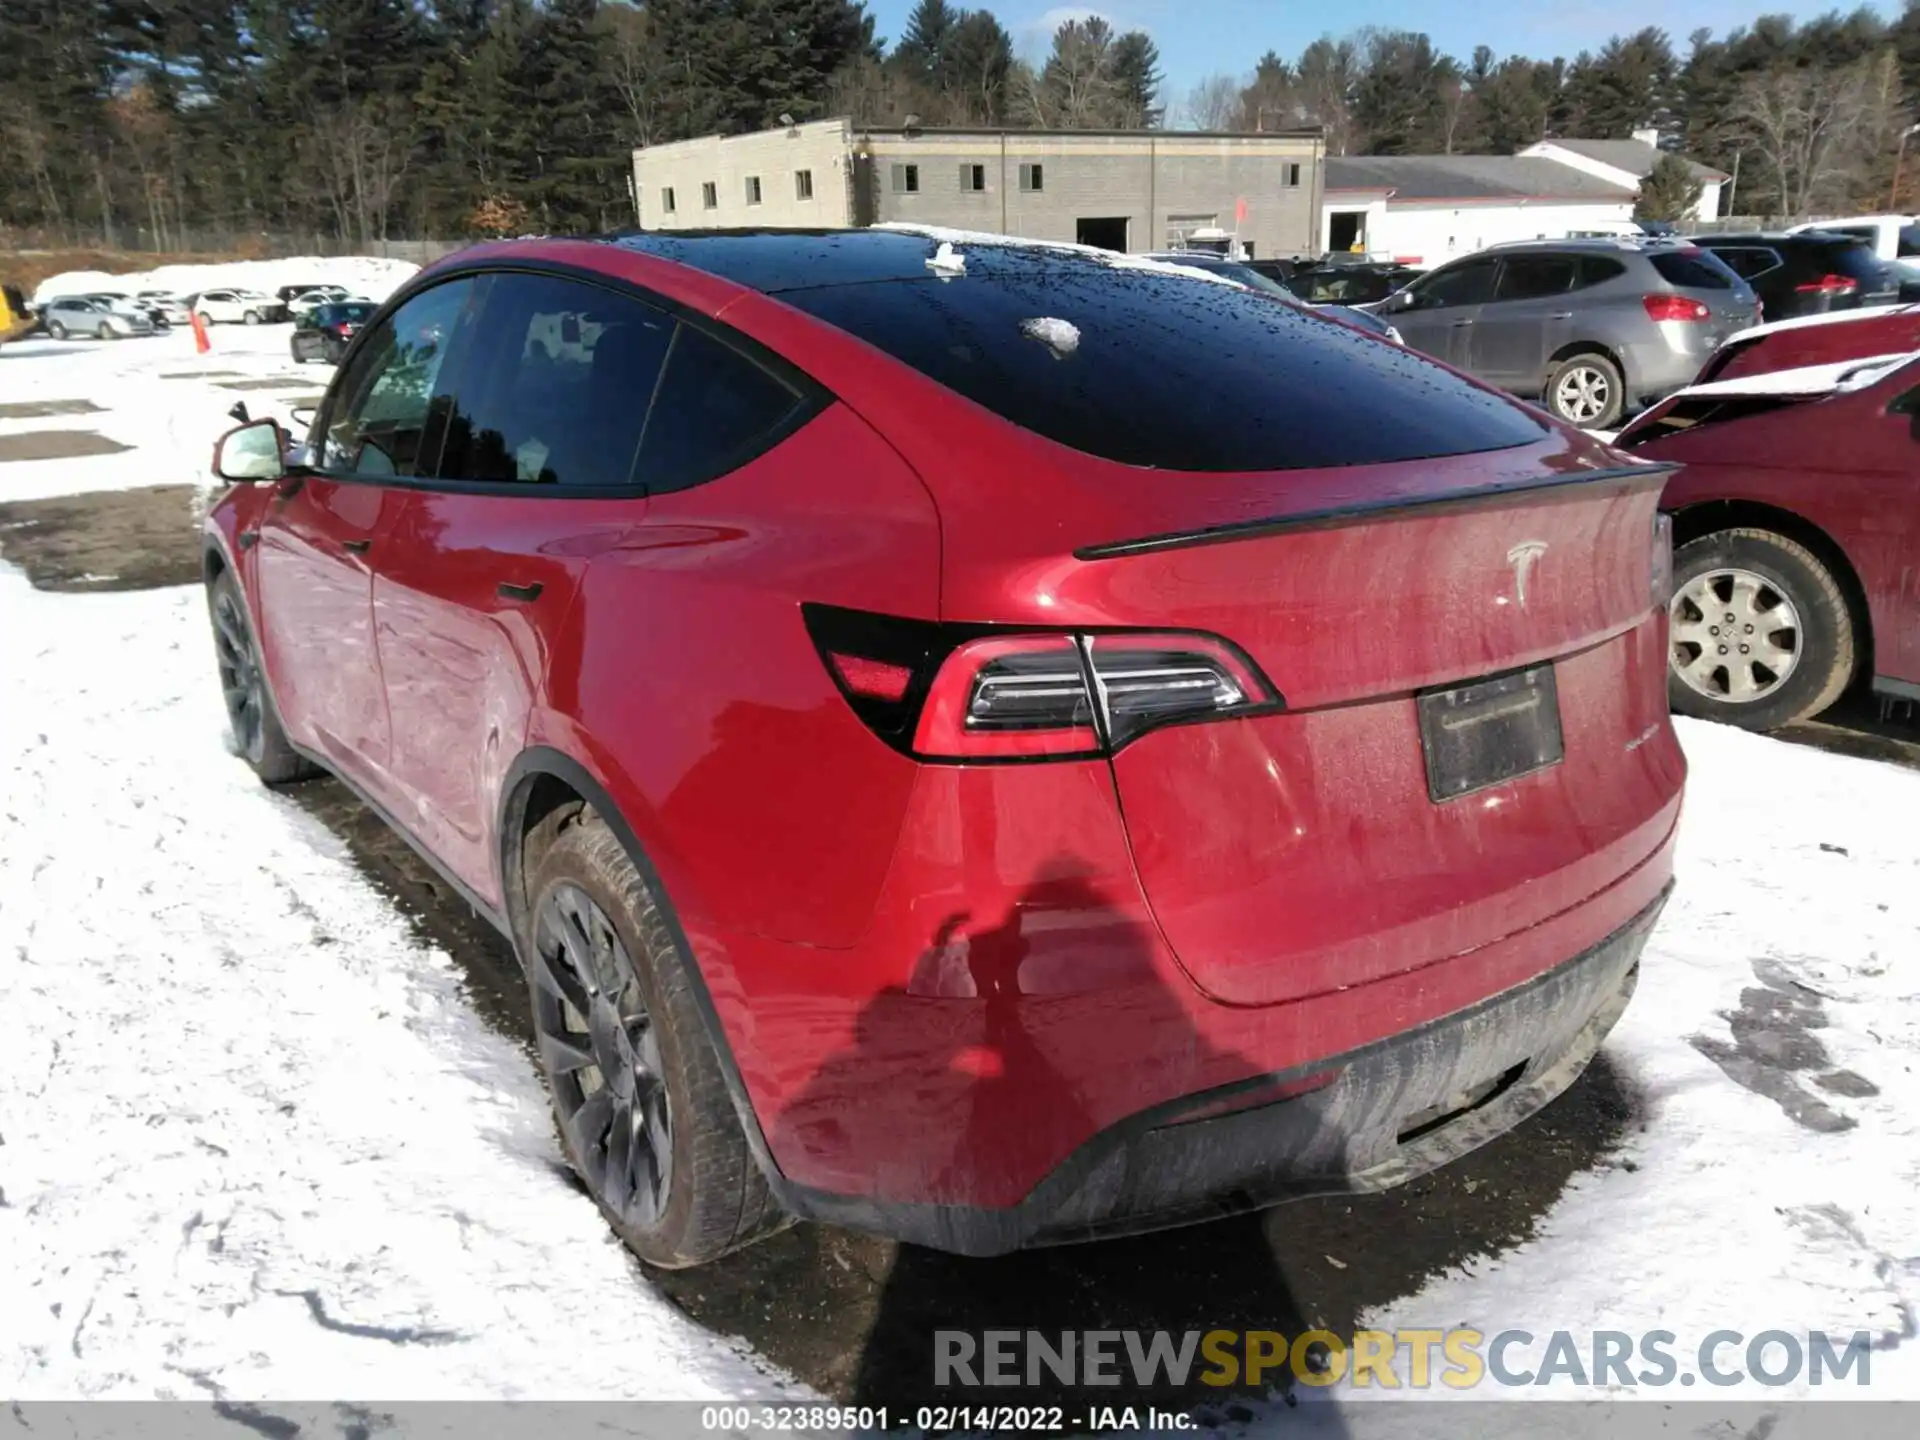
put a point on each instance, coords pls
(149, 121)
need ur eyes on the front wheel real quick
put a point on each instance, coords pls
(643, 1111)
(57, 330)
(1760, 633)
(105, 332)
(251, 715)
(205, 318)
(1586, 390)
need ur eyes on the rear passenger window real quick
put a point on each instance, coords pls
(716, 408)
(1598, 269)
(389, 417)
(1534, 277)
(558, 385)
(1747, 263)
(1693, 270)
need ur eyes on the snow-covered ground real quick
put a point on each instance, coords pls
(362, 274)
(255, 1142)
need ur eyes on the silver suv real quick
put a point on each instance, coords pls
(1596, 328)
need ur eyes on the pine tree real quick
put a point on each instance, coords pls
(1136, 82)
(1669, 192)
(979, 61)
(925, 44)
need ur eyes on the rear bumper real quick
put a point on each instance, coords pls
(1392, 1111)
(1655, 370)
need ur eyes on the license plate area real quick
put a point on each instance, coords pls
(1489, 731)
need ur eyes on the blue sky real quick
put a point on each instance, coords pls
(1199, 37)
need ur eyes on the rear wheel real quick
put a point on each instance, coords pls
(643, 1112)
(1761, 634)
(252, 317)
(243, 685)
(1586, 390)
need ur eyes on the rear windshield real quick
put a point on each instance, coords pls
(1854, 258)
(352, 313)
(1169, 372)
(1694, 270)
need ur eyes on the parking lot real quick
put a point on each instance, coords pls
(270, 1126)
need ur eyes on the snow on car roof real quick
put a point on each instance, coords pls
(1839, 378)
(1802, 322)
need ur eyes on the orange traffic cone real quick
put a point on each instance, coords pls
(201, 343)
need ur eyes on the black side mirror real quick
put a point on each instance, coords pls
(239, 412)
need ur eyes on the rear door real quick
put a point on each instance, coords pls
(1435, 315)
(1529, 317)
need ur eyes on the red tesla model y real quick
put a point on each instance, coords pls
(971, 740)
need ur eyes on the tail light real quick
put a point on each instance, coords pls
(1662, 560)
(985, 693)
(1675, 307)
(1829, 285)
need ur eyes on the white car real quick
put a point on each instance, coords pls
(237, 307)
(316, 297)
(1895, 238)
(167, 303)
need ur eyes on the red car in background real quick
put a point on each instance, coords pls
(988, 743)
(1796, 517)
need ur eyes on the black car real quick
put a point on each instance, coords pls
(1808, 273)
(1245, 272)
(323, 332)
(1349, 283)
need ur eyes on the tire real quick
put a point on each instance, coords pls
(298, 358)
(633, 980)
(57, 330)
(1586, 378)
(251, 714)
(205, 318)
(252, 317)
(105, 332)
(1762, 579)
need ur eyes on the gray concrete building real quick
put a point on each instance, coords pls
(1131, 190)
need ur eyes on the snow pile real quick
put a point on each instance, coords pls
(1062, 337)
(365, 275)
(256, 1143)
(947, 262)
(1770, 1188)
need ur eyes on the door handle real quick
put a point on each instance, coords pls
(358, 547)
(1461, 324)
(1561, 315)
(507, 591)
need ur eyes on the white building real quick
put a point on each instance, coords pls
(1424, 210)
(1627, 163)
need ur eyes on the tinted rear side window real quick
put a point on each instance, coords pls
(1857, 261)
(1169, 372)
(1598, 269)
(715, 410)
(1533, 277)
(1693, 270)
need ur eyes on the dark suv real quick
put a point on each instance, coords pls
(1809, 273)
(1596, 328)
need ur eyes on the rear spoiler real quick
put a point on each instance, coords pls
(1388, 505)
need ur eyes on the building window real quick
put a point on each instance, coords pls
(973, 177)
(753, 189)
(710, 195)
(906, 179)
(803, 184)
(1031, 178)
(1290, 175)
(666, 200)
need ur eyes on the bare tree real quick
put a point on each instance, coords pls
(1214, 104)
(1804, 127)
(640, 73)
(1456, 99)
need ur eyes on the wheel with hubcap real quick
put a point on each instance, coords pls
(57, 330)
(252, 317)
(105, 332)
(251, 715)
(642, 1108)
(1759, 631)
(1586, 390)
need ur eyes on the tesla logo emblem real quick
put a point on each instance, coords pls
(1522, 558)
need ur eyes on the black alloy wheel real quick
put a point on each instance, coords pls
(602, 1056)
